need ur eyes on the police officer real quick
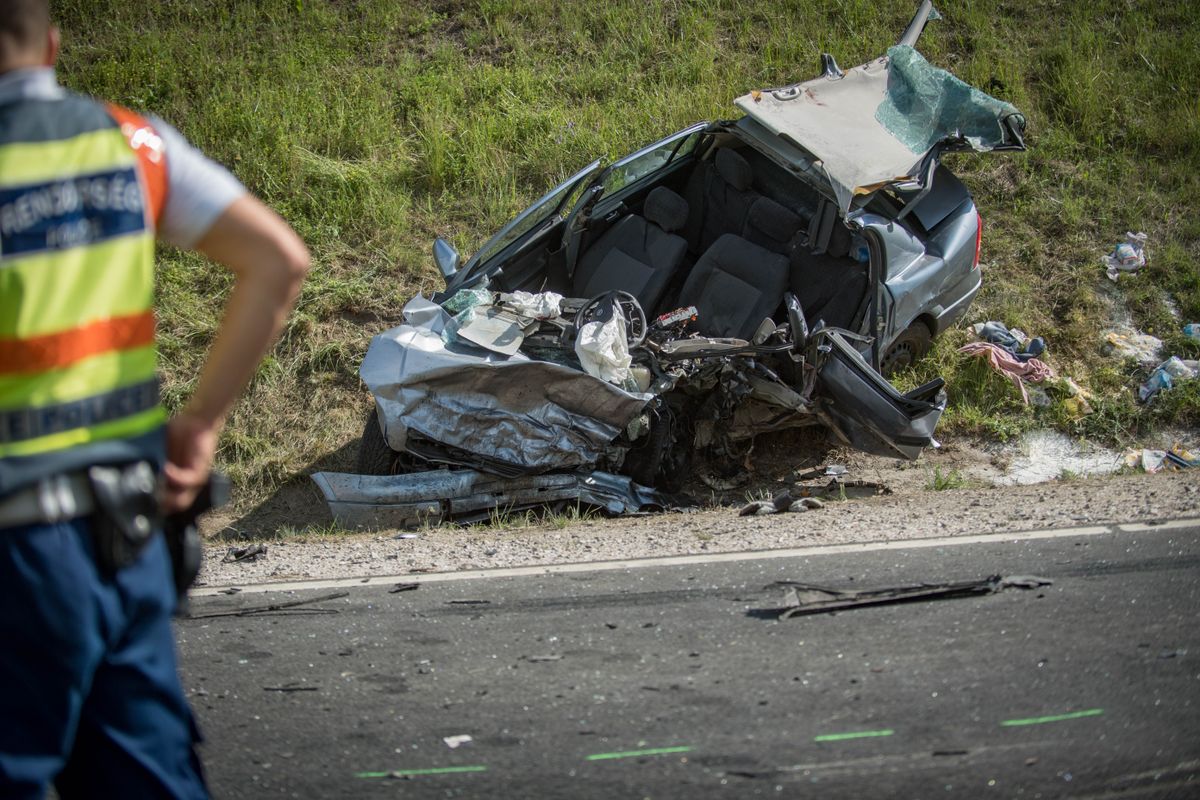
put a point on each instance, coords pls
(89, 695)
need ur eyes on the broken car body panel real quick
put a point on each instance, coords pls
(882, 123)
(465, 495)
(527, 415)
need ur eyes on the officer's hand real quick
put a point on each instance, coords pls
(191, 444)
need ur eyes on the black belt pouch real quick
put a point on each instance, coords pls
(127, 513)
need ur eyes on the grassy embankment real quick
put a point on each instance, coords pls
(375, 126)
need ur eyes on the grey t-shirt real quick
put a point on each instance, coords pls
(198, 189)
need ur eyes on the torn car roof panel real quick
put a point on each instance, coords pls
(878, 123)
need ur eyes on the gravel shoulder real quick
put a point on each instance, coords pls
(911, 512)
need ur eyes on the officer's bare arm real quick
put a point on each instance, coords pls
(269, 261)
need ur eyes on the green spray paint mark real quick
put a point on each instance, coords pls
(1091, 712)
(404, 773)
(838, 737)
(656, 751)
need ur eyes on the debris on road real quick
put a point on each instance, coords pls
(783, 502)
(247, 553)
(294, 604)
(403, 587)
(540, 659)
(290, 687)
(1151, 461)
(454, 742)
(802, 599)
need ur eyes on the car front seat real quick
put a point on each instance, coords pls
(734, 286)
(639, 254)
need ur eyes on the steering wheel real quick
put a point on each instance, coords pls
(600, 309)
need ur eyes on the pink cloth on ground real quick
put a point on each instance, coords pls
(1009, 366)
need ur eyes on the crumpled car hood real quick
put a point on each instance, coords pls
(878, 123)
(532, 416)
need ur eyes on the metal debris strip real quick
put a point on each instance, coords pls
(404, 587)
(248, 553)
(291, 688)
(803, 599)
(249, 612)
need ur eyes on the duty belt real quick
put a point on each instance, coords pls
(54, 499)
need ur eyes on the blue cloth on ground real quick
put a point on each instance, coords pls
(998, 334)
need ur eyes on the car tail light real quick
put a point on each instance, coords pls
(978, 238)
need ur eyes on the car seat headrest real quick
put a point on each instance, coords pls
(734, 169)
(665, 209)
(774, 220)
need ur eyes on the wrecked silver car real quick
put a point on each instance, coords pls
(733, 279)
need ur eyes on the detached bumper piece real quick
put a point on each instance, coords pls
(429, 498)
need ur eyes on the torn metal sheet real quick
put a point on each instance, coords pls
(878, 123)
(404, 501)
(866, 412)
(803, 599)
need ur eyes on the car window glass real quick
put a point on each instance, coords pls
(652, 159)
(533, 216)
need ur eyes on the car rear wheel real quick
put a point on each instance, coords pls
(906, 350)
(374, 455)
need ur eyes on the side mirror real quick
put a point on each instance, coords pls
(445, 256)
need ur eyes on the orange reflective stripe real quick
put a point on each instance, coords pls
(55, 350)
(151, 155)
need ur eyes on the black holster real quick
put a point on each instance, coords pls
(127, 513)
(183, 536)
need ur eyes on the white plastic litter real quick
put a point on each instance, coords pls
(1130, 344)
(544, 305)
(604, 351)
(1128, 256)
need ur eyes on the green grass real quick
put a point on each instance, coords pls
(376, 126)
(951, 478)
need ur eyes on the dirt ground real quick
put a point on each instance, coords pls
(900, 501)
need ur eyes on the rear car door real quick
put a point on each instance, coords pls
(863, 409)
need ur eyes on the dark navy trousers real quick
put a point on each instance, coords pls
(90, 698)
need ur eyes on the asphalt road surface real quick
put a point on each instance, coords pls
(679, 682)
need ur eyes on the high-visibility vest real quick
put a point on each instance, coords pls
(81, 188)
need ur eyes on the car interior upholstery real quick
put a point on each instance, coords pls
(640, 254)
(734, 286)
(744, 237)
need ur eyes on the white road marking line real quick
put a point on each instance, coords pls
(689, 560)
(1139, 527)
